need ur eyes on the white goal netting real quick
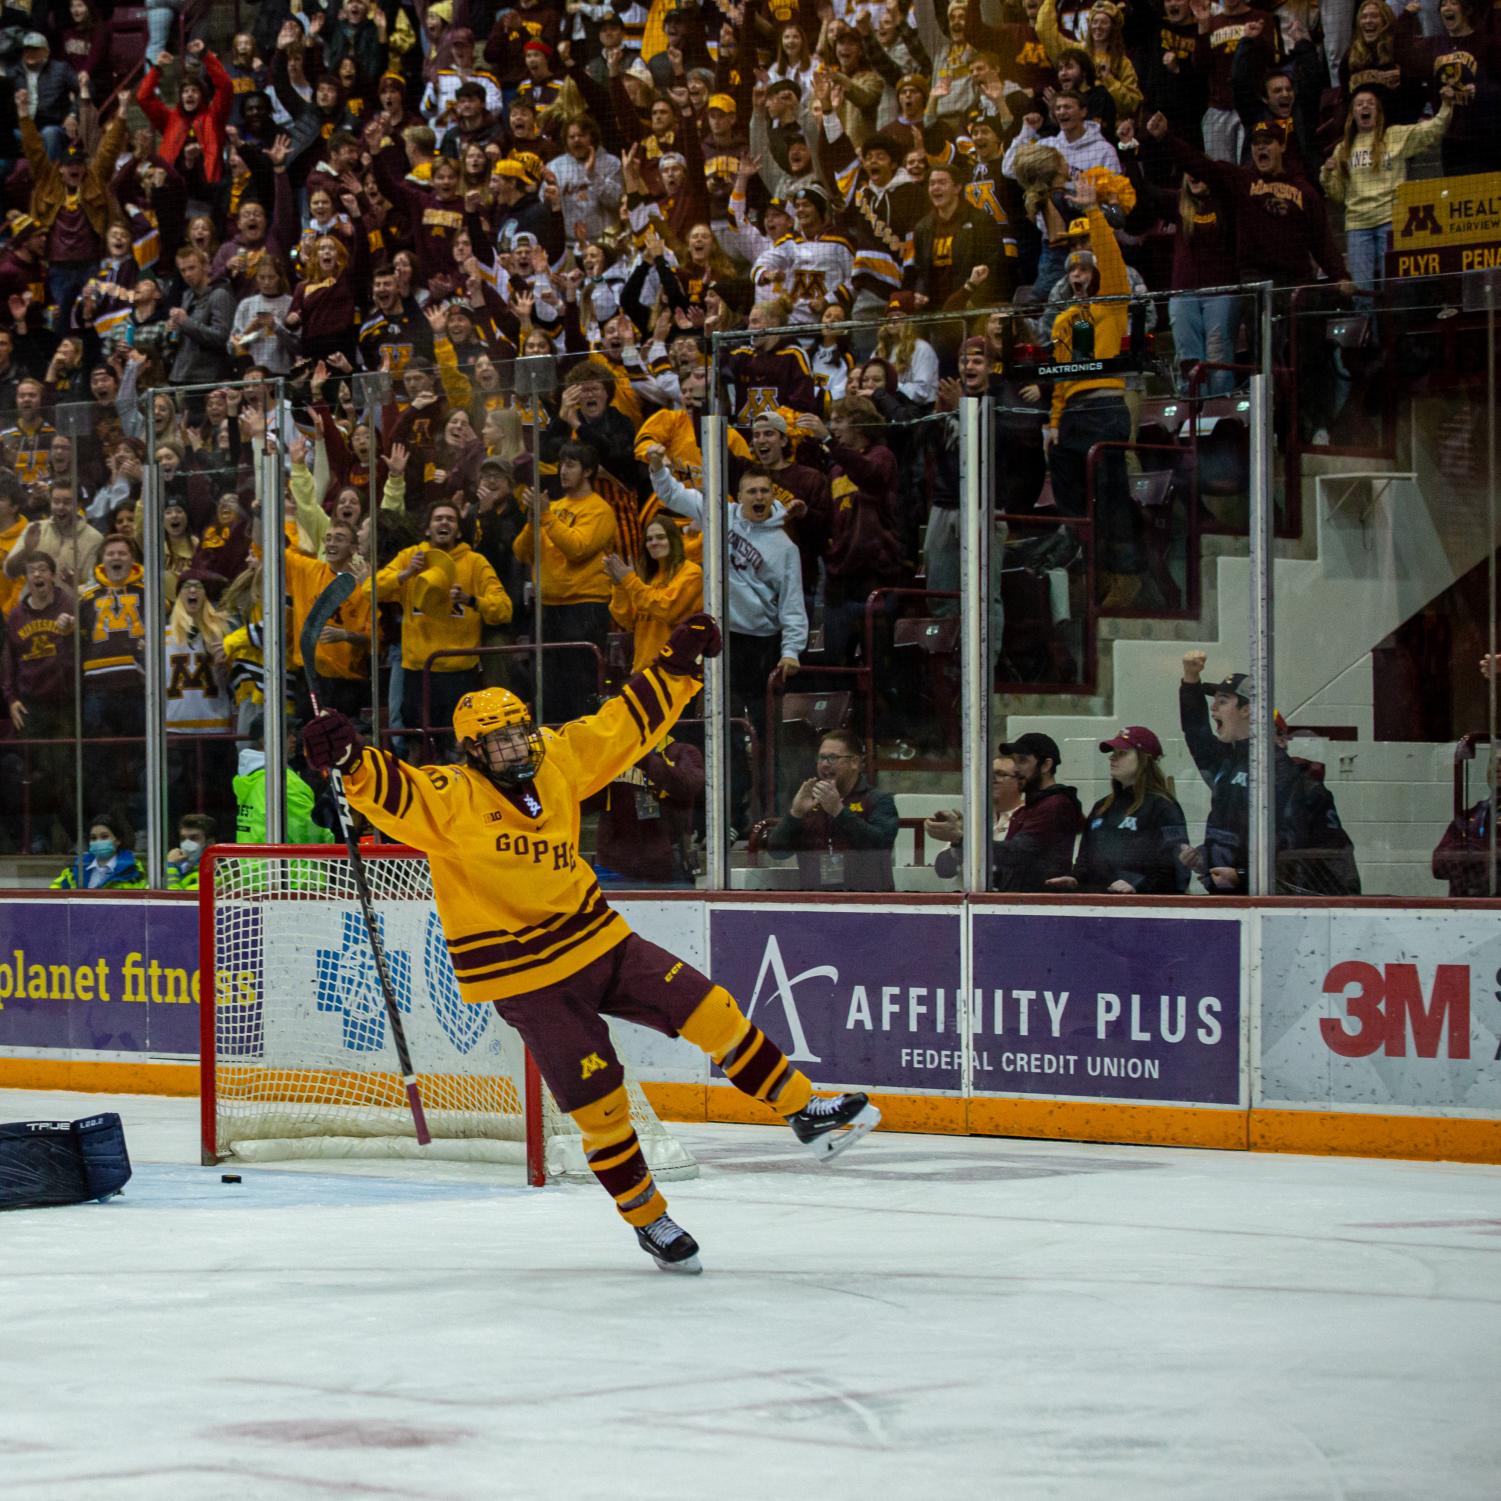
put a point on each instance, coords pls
(303, 1063)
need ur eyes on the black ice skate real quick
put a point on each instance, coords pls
(669, 1245)
(829, 1126)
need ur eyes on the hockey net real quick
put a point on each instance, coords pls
(297, 1058)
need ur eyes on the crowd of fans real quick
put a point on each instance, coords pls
(1133, 842)
(480, 248)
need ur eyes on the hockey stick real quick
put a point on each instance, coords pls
(339, 588)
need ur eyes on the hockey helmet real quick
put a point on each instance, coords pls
(493, 711)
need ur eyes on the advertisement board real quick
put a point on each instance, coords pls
(1396, 1011)
(1097, 1006)
(107, 976)
(853, 995)
(1445, 224)
(120, 979)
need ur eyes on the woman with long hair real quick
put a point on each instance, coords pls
(487, 389)
(196, 674)
(702, 263)
(203, 234)
(667, 589)
(503, 434)
(912, 357)
(1133, 834)
(457, 455)
(324, 313)
(1204, 328)
(244, 660)
(1106, 46)
(599, 294)
(1042, 172)
(255, 334)
(532, 410)
(832, 361)
(197, 703)
(475, 173)
(1365, 170)
(1378, 59)
(794, 58)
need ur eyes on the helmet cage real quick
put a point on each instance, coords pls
(502, 769)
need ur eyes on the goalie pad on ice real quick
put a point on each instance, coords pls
(62, 1162)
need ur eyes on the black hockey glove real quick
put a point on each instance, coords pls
(691, 641)
(331, 741)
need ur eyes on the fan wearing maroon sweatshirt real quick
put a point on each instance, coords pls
(1281, 227)
(1220, 35)
(1039, 842)
(36, 679)
(1468, 60)
(38, 667)
(770, 370)
(864, 550)
(327, 309)
(436, 215)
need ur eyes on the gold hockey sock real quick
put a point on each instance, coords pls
(615, 1158)
(751, 1061)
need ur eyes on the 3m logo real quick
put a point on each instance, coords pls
(1382, 1005)
(1421, 219)
(591, 1065)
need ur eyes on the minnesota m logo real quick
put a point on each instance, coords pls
(117, 614)
(1421, 219)
(591, 1065)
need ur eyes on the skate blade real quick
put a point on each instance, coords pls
(827, 1148)
(691, 1267)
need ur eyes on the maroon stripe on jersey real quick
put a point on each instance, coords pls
(593, 900)
(495, 959)
(647, 695)
(628, 699)
(387, 787)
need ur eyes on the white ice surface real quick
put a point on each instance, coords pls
(931, 1317)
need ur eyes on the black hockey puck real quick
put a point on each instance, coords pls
(229, 1177)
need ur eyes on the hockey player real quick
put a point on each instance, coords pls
(529, 931)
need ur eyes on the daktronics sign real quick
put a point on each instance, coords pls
(1386, 1009)
(1382, 1010)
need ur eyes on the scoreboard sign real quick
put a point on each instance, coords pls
(1446, 224)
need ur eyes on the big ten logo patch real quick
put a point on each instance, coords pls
(1384, 1007)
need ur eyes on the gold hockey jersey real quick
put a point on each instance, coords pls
(520, 908)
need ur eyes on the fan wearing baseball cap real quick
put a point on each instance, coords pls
(1314, 854)
(1133, 835)
(1039, 844)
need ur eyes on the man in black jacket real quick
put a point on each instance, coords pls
(842, 828)
(1314, 854)
(1039, 842)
